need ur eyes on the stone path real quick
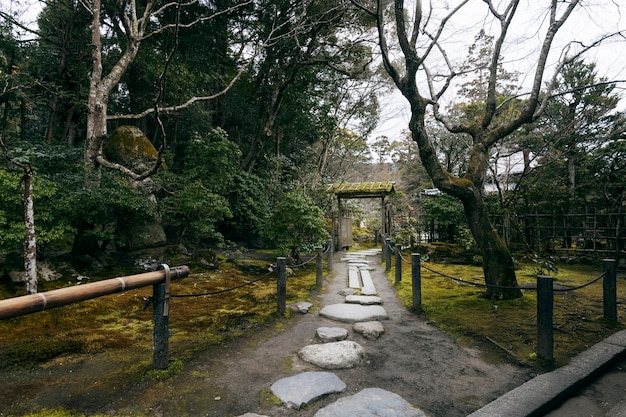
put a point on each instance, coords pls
(363, 308)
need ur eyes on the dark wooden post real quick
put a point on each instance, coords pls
(383, 253)
(398, 264)
(416, 278)
(160, 328)
(387, 254)
(330, 254)
(281, 285)
(318, 267)
(609, 286)
(545, 307)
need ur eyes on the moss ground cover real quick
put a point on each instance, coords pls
(509, 326)
(117, 329)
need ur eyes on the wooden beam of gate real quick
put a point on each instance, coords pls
(20, 306)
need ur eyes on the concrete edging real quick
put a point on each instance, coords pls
(544, 392)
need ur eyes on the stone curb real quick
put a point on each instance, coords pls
(546, 391)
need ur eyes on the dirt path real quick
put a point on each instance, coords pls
(413, 359)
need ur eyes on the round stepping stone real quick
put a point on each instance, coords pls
(334, 355)
(353, 313)
(332, 334)
(306, 387)
(370, 329)
(363, 299)
(371, 402)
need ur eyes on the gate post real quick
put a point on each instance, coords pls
(416, 278)
(545, 308)
(318, 267)
(609, 287)
(398, 264)
(281, 284)
(160, 330)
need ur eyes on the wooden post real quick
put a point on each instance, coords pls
(545, 307)
(318, 267)
(416, 278)
(387, 254)
(281, 285)
(383, 253)
(398, 264)
(160, 331)
(330, 254)
(609, 287)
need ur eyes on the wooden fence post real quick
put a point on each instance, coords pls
(398, 264)
(281, 284)
(416, 281)
(545, 308)
(318, 267)
(330, 254)
(609, 286)
(387, 254)
(160, 331)
(383, 253)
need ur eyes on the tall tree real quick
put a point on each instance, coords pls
(419, 34)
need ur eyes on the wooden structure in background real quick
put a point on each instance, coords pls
(349, 190)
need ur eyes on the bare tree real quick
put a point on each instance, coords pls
(413, 54)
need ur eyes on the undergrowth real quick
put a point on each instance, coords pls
(508, 327)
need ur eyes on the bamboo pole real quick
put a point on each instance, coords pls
(19, 306)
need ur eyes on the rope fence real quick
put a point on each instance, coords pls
(545, 292)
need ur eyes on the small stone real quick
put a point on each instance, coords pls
(348, 291)
(332, 334)
(301, 307)
(370, 329)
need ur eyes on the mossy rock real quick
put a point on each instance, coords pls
(130, 147)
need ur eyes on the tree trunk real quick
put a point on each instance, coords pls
(497, 260)
(30, 241)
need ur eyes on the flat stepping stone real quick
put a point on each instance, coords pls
(348, 291)
(353, 278)
(331, 334)
(366, 300)
(353, 313)
(368, 285)
(371, 402)
(252, 415)
(370, 329)
(334, 355)
(306, 388)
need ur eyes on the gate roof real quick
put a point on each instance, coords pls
(362, 189)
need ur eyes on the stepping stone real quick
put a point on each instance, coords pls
(368, 284)
(353, 278)
(370, 329)
(332, 334)
(371, 402)
(306, 387)
(334, 355)
(365, 300)
(353, 313)
(252, 415)
(348, 291)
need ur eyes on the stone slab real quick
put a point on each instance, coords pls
(368, 285)
(331, 334)
(369, 329)
(353, 278)
(353, 313)
(365, 300)
(305, 388)
(545, 391)
(371, 402)
(333, 355)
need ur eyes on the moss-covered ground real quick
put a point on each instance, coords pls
(118, 330)
(510, 325)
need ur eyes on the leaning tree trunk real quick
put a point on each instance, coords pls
(497, 259)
